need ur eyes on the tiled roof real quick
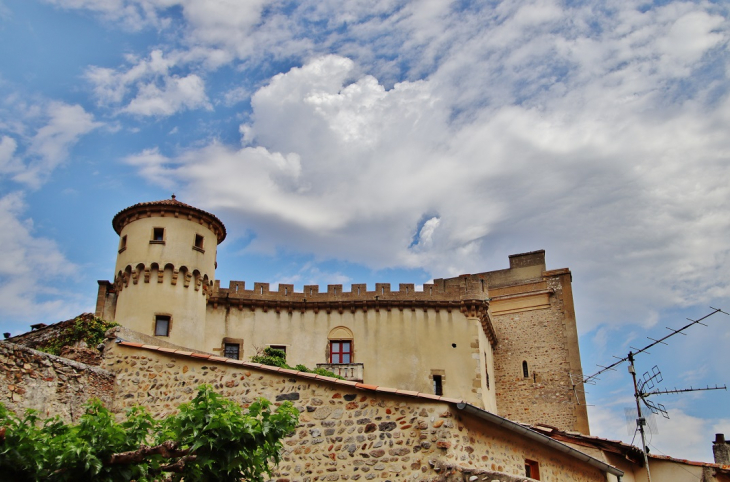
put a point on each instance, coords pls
(168, 203)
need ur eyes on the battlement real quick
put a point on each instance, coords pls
(466, 294)
(465, 287)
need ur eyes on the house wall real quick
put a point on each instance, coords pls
(31, 379)
(398, 348)
(346, 433)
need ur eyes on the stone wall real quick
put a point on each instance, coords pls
(544, 336)
(347, 431)
(50, 384)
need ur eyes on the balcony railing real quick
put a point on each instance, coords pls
(348, 371)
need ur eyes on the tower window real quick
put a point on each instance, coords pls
(232, 350)
(532, 469)
(525, 370)
(123, 243)
(162, 325)
(340, 351)
(158, 235)
(438, 385)
(198, 245)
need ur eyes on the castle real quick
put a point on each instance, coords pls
(465, 379)
(504, 341)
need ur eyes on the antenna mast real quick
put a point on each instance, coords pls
(648, 382)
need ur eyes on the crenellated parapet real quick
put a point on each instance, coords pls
(159, 273)
(467, 294)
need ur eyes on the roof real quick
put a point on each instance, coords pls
(631, 452)
(457, 403)
(167, 205)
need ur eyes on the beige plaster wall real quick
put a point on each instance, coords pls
(346, 433)
(178, 248)
(399, 348)
(181, 291)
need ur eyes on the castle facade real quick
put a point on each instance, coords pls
(504, 341)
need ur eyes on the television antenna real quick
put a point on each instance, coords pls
(644, 387)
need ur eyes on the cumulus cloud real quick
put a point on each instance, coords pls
(332, 154)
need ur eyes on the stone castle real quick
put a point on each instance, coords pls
(464, 379)
(504, 341)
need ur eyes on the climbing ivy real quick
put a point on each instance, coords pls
(89, 329)
(277, 358)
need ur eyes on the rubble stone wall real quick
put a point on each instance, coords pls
(345, 432)
(50, 384)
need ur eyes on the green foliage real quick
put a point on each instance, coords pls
(89, 329)
(209, 439)
(277, 358)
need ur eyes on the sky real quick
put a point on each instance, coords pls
(391, 141)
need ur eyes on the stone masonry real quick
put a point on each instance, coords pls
(347, 431)
(53, 385)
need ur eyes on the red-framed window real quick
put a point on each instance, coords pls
(340, 351)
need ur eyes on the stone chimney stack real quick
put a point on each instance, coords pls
(721, 450)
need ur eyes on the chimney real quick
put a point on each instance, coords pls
(721, 450)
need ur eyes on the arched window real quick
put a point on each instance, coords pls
(525, 370)
(340, 345)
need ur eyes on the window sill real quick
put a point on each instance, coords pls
(201, 250)
(121, 250)
(152, 241)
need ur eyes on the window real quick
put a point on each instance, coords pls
(340, 351)
(123, 243)
(198, 246)
(532, 469)
(279, 347)
(525, 371)
(232, 350)
(158, 235)
(162, 325)
(438, 385)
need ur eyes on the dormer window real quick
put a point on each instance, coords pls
(198, 245)
(123, 243)
(158, 236)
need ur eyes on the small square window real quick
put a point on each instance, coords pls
(158, 234)
(340, 351)
(279, 347)
(162, 325)
(198, 241)
(532, 469)
(232, 350)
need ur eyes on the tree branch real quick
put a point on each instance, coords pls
(167, 450)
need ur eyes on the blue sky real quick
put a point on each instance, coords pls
(390, 141)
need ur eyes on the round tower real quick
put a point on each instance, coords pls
(165, 268)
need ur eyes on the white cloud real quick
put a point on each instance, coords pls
(45, 134)
(30, 268)
(177, 94)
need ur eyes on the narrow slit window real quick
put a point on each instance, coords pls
(162, 325)
(438, 385)
(340, 351)
(123, 243)
(199, 241)
(525, 370)
(158, 234)
(232, 350)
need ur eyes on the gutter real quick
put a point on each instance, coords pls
(538, 437)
